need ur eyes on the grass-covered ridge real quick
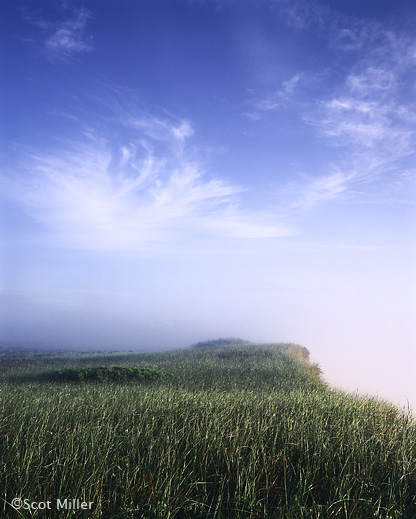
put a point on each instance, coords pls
(237, 431)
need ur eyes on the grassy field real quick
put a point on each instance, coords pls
(221, 430)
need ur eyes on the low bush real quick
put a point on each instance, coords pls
(107, 374)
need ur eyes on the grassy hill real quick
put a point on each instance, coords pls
(224, 429)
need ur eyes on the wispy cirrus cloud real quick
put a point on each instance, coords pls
(276, 99)
(343, 32)
(161, 129)
(323, 189)
(63, 37)
(141, 194)
(369, 114)
(365, 107)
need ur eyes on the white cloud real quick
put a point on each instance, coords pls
(64, 37)
(183, 131)
(353, 123)
(368, 113)
(375, 80)
(162, 129)
(361, 102)
(325, 188)
(133, 196)
(279, 98)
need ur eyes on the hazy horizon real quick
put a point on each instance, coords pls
(184, 170)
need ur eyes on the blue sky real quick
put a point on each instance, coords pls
(175, 171)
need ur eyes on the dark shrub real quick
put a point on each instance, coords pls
(108, 374)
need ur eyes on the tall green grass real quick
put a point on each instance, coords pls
(236, 432)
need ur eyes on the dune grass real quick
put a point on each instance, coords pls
(239, 431)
